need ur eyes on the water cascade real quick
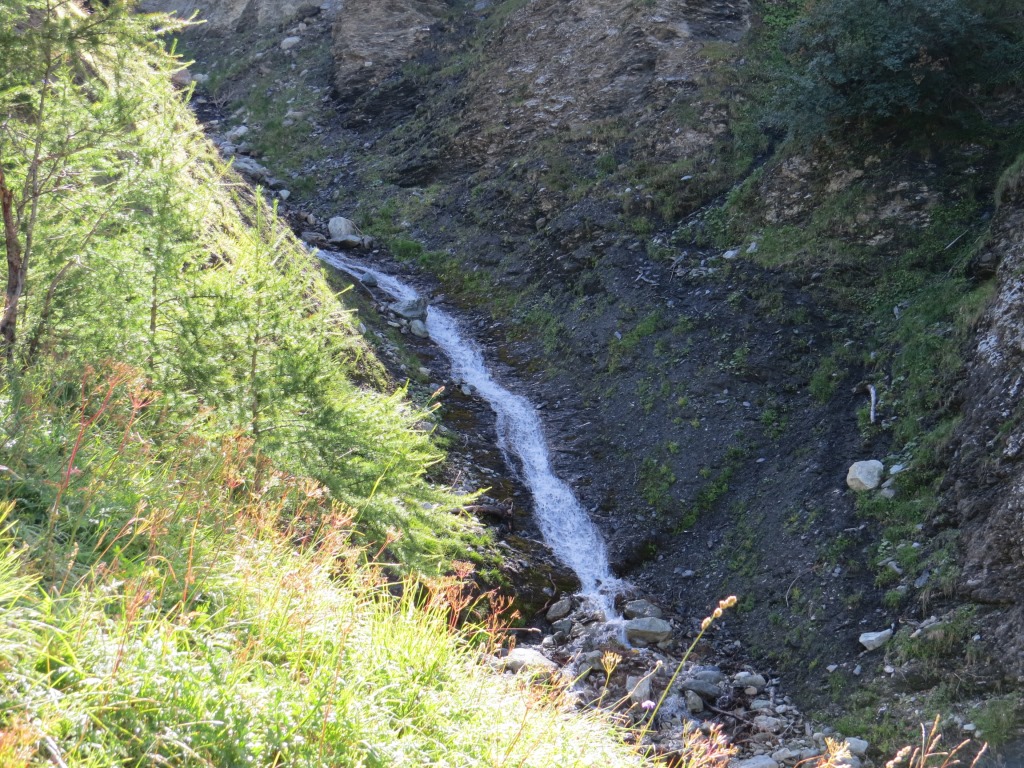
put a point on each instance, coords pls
(563, 522)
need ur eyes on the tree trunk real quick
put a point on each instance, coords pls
(15, 269)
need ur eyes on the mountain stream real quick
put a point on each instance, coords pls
(564, 524)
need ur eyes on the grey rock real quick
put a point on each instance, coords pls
(761, 761)
(519, 659)
(865, 475)
(250, 168)
(411, 309)
(702, 688)
(749, 680)
(314, 238)
(348, 242)
(649, 629)
(857, 747)
(639, 688)
(418, 328)
(711, 676)
(562, 625)
(370, 282)
(339, 226)
(639, 609)
(559, 610)
(290, 42)
(694, 703)
(236, 133)
(873, 640)
(768, 724)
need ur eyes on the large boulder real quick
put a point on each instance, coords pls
(410, 309)
(865, 475)
(339, 228)
(648, 630)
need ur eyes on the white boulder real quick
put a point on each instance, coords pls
(865, 475)
(873, 640)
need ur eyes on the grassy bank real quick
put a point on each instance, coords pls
(221, 541)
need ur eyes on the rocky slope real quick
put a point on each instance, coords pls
(703, 316)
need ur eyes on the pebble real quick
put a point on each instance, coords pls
(749, 680)
(559, 610)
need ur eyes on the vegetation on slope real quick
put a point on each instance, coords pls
(197, 454)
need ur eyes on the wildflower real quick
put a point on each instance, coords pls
(648, 705)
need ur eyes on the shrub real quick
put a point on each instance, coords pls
(865, 60)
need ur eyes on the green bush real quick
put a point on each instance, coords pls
(871, 61)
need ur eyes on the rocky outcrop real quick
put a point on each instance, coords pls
(371, 37)
(985, 484)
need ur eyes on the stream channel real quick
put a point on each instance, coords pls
(564, 524)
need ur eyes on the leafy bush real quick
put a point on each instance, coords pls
(866, 60)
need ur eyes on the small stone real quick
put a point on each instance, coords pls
(694, 703)
(562, 625)
(702, 688)
(970, 727)
(423, 371)
(639, 609)
(831, 667)
(857, 746)
(419, 328)
(857, 670)
(649, 629)
(710, 675)
(873, 640)
(731, 254)
(559, 610)
(749, 679)
(865, 475)
(368, 280)
(783, 755)
(410, 309)
(236, 133)
(519, 659)
(761, 761)
(639, 688)
(181, 79)
(290, 42)
(750, 690)
(760, 704)
(768, 724)
(284, 194)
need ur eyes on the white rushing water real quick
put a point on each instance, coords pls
(565, 525)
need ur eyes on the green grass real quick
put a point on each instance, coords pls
(220, 539)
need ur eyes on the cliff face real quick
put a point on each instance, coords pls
(986, 477)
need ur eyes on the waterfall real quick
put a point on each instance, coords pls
(564, 524)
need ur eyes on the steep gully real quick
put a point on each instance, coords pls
(563, 522)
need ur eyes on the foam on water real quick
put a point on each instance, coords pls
(565, 525)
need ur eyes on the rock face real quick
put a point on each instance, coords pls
(865, 475)
(372, 37)
(985, 481)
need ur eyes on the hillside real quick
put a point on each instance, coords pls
(717, 251)
(703, 264)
